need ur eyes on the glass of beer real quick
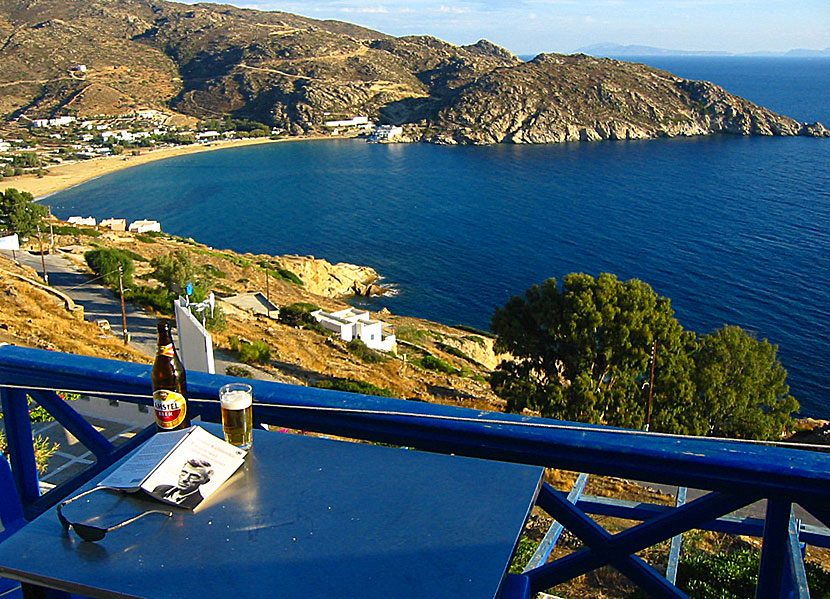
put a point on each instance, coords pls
(237, 401)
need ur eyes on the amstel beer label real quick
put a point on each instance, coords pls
(171, 408)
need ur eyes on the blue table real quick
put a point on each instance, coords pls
(304, 518)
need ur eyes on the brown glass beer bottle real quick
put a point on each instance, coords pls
(169, 384)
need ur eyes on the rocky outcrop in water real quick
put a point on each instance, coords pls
(331, 280)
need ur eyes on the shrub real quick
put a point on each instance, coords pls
(240, 371)
(352, 386)
(157, 298)
(357, 348)
(257, 352)
(105, 262)
(734, 575)
(437, 364)
(299, 315)
(145, 238)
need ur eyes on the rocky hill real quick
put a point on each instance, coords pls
(295, 73)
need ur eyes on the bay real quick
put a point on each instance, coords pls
(734, 230)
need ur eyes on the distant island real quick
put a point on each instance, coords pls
(615, 50)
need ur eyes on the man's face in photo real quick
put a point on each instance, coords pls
(191, 477)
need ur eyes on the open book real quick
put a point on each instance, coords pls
(180, 467)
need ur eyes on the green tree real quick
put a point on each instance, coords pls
(741, 386)
(105, 262)
(582, 352)
(178, 268)
(19, 213)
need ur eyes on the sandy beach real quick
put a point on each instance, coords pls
(67, 175)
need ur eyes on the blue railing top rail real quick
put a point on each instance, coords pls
(773, 472)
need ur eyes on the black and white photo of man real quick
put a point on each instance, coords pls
(186, 493)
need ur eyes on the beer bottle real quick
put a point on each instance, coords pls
(169, 384)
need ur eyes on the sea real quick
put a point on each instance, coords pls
(734, 230)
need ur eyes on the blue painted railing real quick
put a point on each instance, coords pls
(737, 474)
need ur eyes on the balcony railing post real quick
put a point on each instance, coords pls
(21, 449)
(772, 579)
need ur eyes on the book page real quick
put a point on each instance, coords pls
(194, 470)
(132, 472)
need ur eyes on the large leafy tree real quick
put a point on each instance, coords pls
(583, 352)
(741, 386)
(19, 213)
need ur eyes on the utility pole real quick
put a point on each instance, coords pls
(651, 383)
(42, 259)
(123, 307)
(267, 294)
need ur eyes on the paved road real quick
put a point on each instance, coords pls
(100, 303)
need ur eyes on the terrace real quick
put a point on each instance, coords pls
(735, 474)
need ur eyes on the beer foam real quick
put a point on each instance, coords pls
(236, 400)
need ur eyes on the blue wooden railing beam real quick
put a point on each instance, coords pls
(699, 463)
(797, 572)
(548, 542)
(76, 424)
(599, 553)
(772, 582)
(730, 524)
(18, 429)
(676, 542)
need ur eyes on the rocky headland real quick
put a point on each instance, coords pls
(293, 73)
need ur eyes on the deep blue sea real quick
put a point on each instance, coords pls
(734, 230)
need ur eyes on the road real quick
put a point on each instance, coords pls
(101, 303)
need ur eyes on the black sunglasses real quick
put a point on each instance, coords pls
(94, 533)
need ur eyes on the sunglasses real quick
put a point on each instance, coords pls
(94, 533)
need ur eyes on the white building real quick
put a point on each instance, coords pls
(56, 122)
(355, 121)
(80, 220)
(144, 226)
(357, 324)
(385, 133)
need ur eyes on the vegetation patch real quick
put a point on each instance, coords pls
(239, 371)
(359, 349)
(733, 575)
(436, 364)
(411, 334)
(352, 386)
(106, 263)
(464, 327)
(256, 352)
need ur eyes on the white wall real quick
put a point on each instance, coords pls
(195, 343)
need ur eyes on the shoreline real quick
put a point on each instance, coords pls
(64, 176)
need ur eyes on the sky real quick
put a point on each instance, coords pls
(533, 26)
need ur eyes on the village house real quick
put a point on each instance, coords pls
(145, 226)
(115, 224)
(357, 324)
(80, 220)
